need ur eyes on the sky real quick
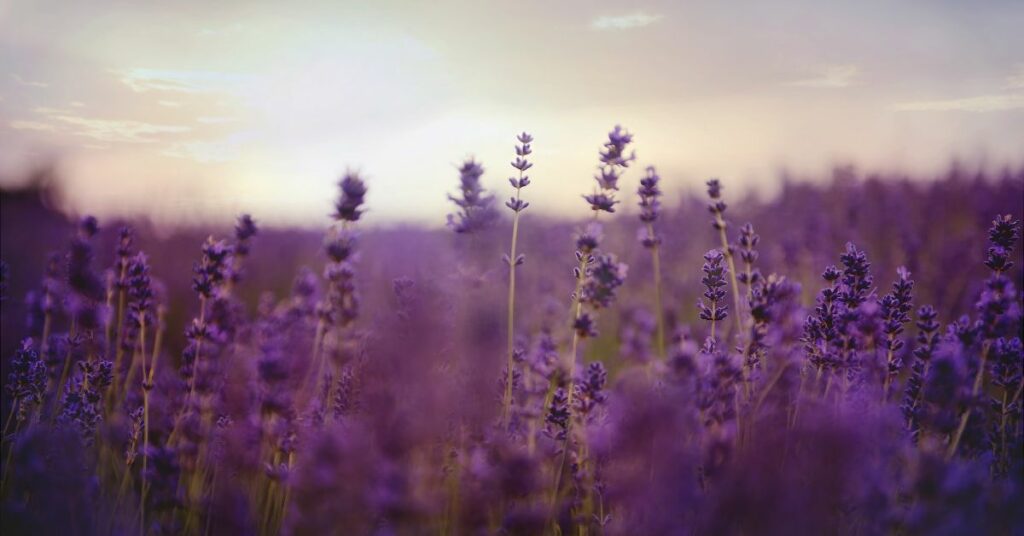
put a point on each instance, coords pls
(189, 111)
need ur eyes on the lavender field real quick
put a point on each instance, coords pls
(842, 358)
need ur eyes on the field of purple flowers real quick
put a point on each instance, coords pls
(843, 358)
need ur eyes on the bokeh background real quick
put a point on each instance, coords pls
(185, 111)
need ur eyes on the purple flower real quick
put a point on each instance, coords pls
(613, 163)
(211, 271)
(351, 198)
(140, 290)
(557, 417)
(748, 241)
(614, 152)
(765, 301)
(856, 277)
(712, 309)
(714, 189)
(521, 163)
(341, 247)
(590, 391)
(26, 379)
(585, 326)
(636, 332)
(927, 338)
(894, 308)
(475, 207)
(649, 207)
(601, 201)
(245, 229)
(86, 285)
(604, 276)
(125, 250)
(589, 239)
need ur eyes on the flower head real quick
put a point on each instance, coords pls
(712, 309)
(26, 381)
(614, 162)
(475, 207)
(649, 207)
(604, 276)
(351, 198)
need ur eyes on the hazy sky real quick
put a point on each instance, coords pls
(205, 108)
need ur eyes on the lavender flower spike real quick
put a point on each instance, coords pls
(353, 195)
(614, 162)
(517, 205)
(895, 307)
(717, 208)
(475, 207)
(649, 208)
(712, 309)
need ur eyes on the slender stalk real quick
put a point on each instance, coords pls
(578, 310)
(145, 425)
(10, 416)
(63, 375)
(978, 380)
(658, 311)
(122, 300)
(727, 252)
(192, 380)
(714, 309)
(507, 401)
(888, 377)
(199, 348)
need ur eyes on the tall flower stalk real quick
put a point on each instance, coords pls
(717, 208)
(339, 304)
(649, 209)
(613, 163)
(712, 309)
(597, 276)
(895, 309)
(516, 205)
(475, 206)
(992, 305)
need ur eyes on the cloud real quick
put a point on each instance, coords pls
(109, 130)
(983, 103)
(624, 22)
(169, 104)
(143, 80)
(31, 125)
(215, 120)
(830, 77)
(1016, 79)
(212, 151)
(29, 83)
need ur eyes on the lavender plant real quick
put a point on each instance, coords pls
(649, 208)
(154, 399)
(516, 205)
(475, 206)
(717, 208)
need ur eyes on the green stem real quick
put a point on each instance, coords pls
(732, 273)
(888, 377)
(660, 315)
(507, 401)
(978, 380)
(63, 375)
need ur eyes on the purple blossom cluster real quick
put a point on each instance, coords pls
(374, 381)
